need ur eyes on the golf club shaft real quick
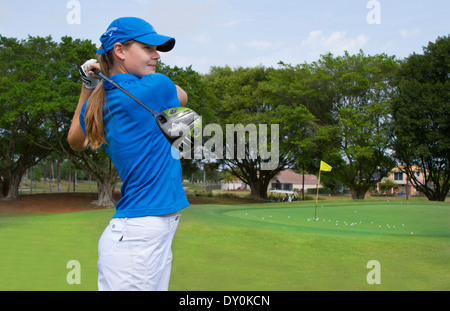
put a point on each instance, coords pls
(100, 74)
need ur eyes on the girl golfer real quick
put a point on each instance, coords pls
(135, 249)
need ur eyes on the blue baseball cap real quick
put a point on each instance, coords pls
(132, 28)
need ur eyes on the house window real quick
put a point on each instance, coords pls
(398, 175)
(287, 187)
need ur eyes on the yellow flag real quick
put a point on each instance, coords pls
(325, 167)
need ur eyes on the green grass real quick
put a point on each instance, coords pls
(251, 247)
(34, 250)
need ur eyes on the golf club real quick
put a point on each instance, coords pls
(174, 122)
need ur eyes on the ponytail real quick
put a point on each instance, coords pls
(93, 116)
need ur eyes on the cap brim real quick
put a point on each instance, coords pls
(163, 43)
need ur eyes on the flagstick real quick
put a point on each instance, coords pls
(317, 196)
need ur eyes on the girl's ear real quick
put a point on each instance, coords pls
(119, 51)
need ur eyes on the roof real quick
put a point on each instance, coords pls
(402, 169)
(290, 177)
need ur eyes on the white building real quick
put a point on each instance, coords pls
(290, 181)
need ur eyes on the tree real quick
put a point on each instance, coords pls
(421, 116)
(39, 90)
(68, 55)
(359, 87)
(199, 97)
(296, 98)
(22, 84)
(243, 103)
(387, 186)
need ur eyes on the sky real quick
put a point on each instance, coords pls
(243, 33)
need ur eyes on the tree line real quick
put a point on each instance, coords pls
(362, 114)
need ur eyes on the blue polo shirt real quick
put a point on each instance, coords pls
(152, 182)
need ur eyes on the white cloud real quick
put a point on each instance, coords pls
(337, 43)
(231, 47)
(259, 45)
(233, 22)
(229, 23)
(409, 33)
(204, 37)
(315, 44)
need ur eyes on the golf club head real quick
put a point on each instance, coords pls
(179, 122)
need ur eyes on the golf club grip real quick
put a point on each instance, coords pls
(100, 74)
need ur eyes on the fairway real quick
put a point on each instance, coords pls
(251, 247)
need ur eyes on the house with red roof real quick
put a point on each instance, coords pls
(286, 181)
(290, 181)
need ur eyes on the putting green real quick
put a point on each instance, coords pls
(391, 218)
(281, 247)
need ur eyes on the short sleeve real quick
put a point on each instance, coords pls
(166, 90)
(81, 119)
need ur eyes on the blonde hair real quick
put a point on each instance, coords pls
(93, 116)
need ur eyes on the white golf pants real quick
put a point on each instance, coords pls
(135, 254)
